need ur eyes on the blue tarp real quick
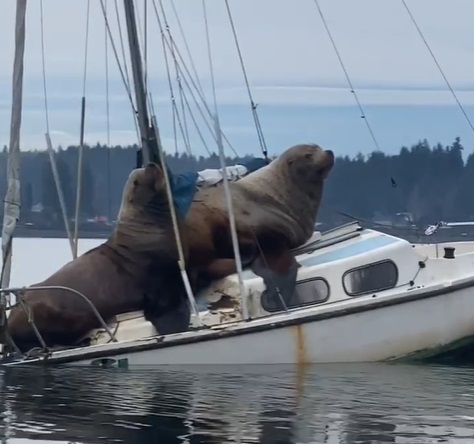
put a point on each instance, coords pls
(183, 187)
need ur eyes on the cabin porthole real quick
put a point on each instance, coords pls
(370, 278)
(307, 292)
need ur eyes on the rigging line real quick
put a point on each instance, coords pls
(80, 153)
(145, 45)
(127, 88)
(180, 86)
(224, 174)
(107, 110)
(191, 114)
(49, 144)
(122, 46)
(44, 67)
(211, 68)
(181, 101)
(187, 48)
(174, 49)
(361, 109)
(86, 49)
(181, 259)
(184, 129)
(199, 108)
(206, 123)
(115, 53)
(228, 198)
(124, 79)
(107, 92)
(253, 105)
(182, 97)
(188, 106)
(206, 147)
(209, 54)
(183, 77)
(170, 84)
(438, 65)
(204, 119)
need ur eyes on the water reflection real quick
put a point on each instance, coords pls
(334, 404)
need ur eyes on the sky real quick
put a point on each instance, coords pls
(294, 73)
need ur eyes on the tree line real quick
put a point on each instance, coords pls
(431, 183)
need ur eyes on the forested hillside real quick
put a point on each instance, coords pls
(430, 182)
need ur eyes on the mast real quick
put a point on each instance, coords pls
(151, 145)
(13, 197)
(148, 151)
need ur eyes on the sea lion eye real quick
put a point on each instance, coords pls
(135, 182)
(308, 155)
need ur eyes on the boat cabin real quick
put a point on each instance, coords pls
(343, 266)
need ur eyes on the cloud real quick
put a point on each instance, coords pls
(289, 61)
(320, 96)
(280, 42)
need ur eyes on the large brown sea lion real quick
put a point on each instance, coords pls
(275, 211)
(135, 269)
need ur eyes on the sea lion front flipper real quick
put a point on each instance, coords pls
(217, 269)
(279, 271)
(165, 303)
(175, 320)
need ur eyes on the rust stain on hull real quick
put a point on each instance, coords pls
(225, 301)
(300, 345)
(302, 361)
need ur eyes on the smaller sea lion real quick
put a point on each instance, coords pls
(135, 269)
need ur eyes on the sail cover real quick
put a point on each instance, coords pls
(12, 198)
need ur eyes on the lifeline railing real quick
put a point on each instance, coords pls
(432, 229)
(19, 294)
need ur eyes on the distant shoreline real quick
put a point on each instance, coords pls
(413, 236)
(26, 233)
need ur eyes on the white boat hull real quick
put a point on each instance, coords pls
(426, 322)
(421, 305)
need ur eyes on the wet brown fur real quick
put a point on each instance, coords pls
(276, 205)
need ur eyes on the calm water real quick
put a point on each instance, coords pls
(253, 404)
(327, 404)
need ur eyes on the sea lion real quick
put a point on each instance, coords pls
(275, 210)
(135, 269)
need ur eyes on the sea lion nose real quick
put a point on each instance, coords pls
(329, 159)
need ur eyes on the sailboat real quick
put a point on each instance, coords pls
(363, 295)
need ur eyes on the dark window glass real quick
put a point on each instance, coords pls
(307, 292)
(374, 277)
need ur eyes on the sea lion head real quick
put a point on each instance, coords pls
(308, 163)
(144, 194)
(144, 222)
